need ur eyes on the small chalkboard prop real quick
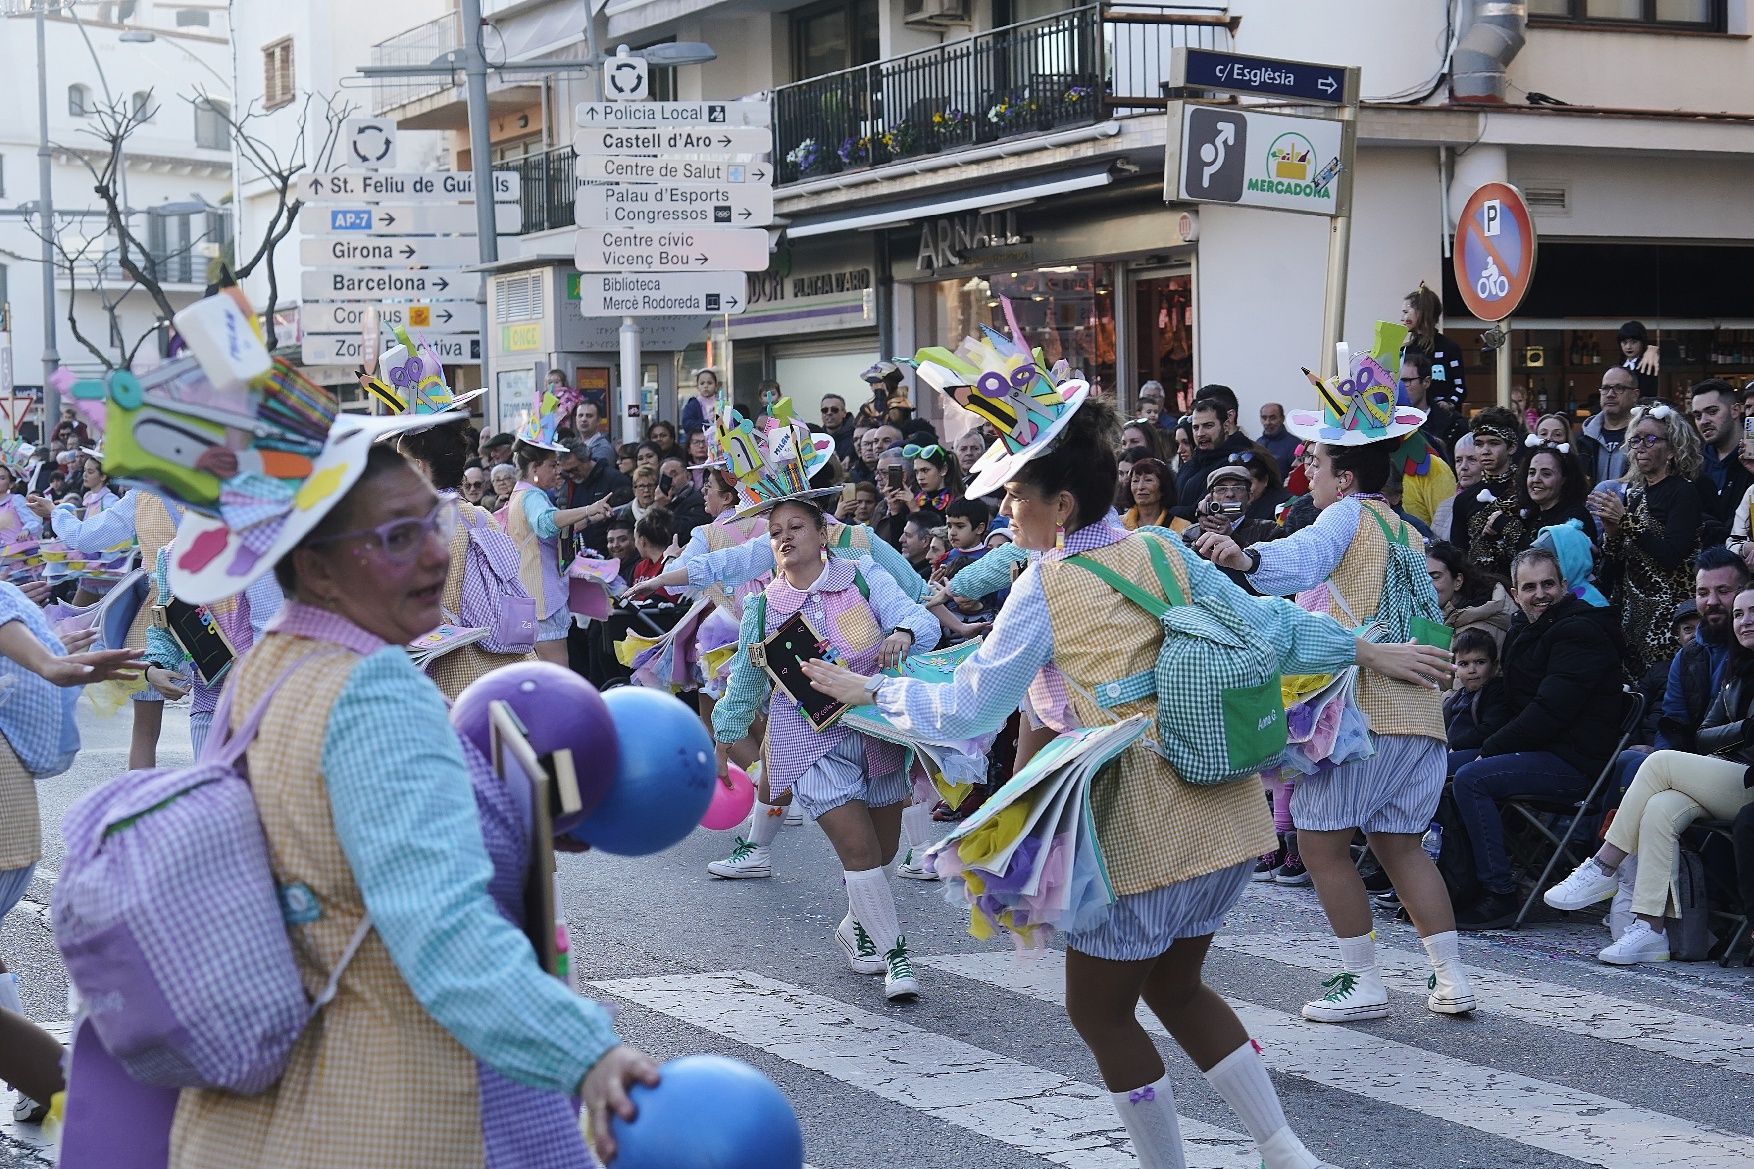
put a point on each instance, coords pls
(199, 634)
(785, 651)
(516, 761)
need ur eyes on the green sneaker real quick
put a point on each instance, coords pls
(861, 951)
(898, 980)
(1350, 997)
(746, 861)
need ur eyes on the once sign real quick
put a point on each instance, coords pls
(363, 252)
(707, 249)
(1494, 251)
(660, 294)
(657, 205)
(424, 284)
(406, 186)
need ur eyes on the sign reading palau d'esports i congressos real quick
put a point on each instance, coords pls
(1494, 251)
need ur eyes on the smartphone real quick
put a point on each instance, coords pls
(894, 477)
(848, 491)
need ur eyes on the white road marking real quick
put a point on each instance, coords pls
(1589, 1128)
(1063, 1120)
(1528, 1000)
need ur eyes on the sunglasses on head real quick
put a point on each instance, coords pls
(1242, 458)
(911, 451)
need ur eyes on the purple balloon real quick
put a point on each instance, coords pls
(665, 780)
(561, 711)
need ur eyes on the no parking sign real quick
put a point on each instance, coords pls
(1494, 251)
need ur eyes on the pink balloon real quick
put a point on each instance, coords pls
(730, 806)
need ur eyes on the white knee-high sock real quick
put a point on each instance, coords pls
(1241, 1079)
(873, 906)
(1443, 949)
(1358, 955)
(767, 822)
(1149, 1114)
(916, 827)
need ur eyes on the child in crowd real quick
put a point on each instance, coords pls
(1477, 707)
(966, 522)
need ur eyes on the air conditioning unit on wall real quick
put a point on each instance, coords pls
(934, 13)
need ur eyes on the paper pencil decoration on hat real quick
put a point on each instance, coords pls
(411, 380)
(543, 429)
(772, 464)
(256, 463)
(1363, 405)
(1010, 387)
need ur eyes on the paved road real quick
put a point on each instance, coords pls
(1568, 1063)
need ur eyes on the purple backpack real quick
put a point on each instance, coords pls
(170, 921)
(493, 594)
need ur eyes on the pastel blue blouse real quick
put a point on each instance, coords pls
(36, 716)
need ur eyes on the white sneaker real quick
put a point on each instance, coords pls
(1350, 997)
(1638, 944)
(745, 862)
(913, 870)
(28, 1111)
(1587, 885)
(898, 979)
(1451, 993)
(861, 951)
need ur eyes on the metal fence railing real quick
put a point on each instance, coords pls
(1074, 68)
(548, 185)
(415, 46)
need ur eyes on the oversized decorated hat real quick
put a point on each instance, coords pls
(1364, 404)
(411, 380)
(771, 464)
(542, 428)
(1009, 386)
(255, 453)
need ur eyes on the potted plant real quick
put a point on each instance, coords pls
(806, 156)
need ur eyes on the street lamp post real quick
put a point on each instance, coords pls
(46, 199)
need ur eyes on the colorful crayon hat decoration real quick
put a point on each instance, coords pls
(1364, 405)
(543, 429)
(772, 464)
(411, 380)
(1010, 387)
(256, 463)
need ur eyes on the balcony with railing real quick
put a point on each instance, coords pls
(415, 46)
(1076, 68)
(550, 181)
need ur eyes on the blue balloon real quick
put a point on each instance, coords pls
(663, 780)
(709, 1112)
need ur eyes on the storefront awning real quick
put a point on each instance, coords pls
(1002, 195)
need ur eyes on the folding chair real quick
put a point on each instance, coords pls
(1738, 921)
(1534, 812)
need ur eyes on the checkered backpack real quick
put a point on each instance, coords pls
(1209, 651)
(170, 922)
(492, 594)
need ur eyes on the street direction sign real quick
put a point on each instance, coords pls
(1263, 76)
(704, 140)
(370, 142)
(673, 171)
(603, 334)
(622, 294)
(658, 205)
(340, 349)
(1494, 253)
(1232, 155)
(670, 249)
(405, 186)
(393, 251)
(674, 113)
(421, 284)
(627, 78)
(349, 316)
(409, 218)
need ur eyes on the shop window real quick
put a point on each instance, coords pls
(1163, 338)
(277, 77)
(1704, 15)
(827, 38)
(1066, 312)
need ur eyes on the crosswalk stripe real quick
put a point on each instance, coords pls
(1589, 1128)
(1546, 1004)
(1062, 1120)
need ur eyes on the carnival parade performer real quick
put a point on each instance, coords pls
(853, 786)
(1179, 854)
(535, 523)
(446, 1043)
(1359, 564)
